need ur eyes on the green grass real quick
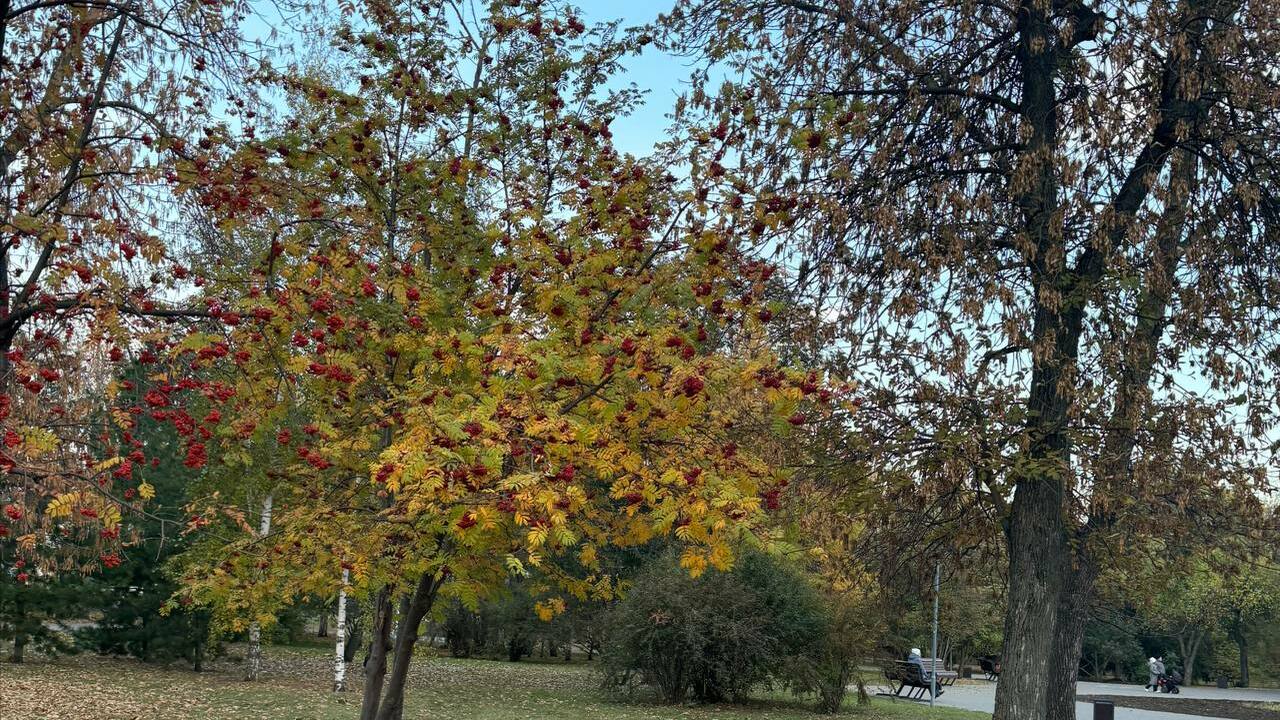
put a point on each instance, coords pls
(294, 686)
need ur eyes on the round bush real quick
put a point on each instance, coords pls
(711, 638)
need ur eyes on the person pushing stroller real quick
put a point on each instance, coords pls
(1155, 668)
(1162, 679)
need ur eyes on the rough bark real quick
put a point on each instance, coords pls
(392, 704)
(375, 665)
(1036, 524)
(1064, 663)
(1035, 555)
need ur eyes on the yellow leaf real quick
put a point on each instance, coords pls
(694, 562)
(61, 505)
(111, 517)
(548, 609)
(107, 464)
(146, 491)
(38, 441)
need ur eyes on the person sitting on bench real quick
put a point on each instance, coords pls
(925, 673)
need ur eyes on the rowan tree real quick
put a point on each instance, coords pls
(1045, 229)
(100, 98)
(477, 339)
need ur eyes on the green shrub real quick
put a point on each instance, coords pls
(715, 637)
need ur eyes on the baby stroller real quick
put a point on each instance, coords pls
(1169, 682)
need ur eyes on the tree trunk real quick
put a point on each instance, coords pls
(392, 704)
(255, 630)
(1064, 663)
(1243, 643)
(355, 632)
(19, 622)
(1236, 632)
(323, 631)
(1036, 530)
(339, 650)
(1190, 647)
(375, 665)
(1035, 556)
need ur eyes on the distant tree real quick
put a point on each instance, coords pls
(1252, 598)
(1189, 608)
(135, 621)
(1114, 648)
(32, 608)
(133, 597)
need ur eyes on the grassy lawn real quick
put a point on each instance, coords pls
(295, 687)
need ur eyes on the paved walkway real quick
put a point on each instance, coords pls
(982, 697)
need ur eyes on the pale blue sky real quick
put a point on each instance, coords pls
(660, 74)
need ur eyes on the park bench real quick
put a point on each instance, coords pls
(946, 678)
(907, 680)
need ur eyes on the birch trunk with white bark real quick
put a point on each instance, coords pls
(340, 649)
(255, 630)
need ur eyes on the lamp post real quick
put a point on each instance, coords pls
(933, 657)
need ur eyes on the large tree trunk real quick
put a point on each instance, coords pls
(392, 705)
(19, 644)
(1064, 663)
(254, 665)
(375, 665)
(1036, 530)
(1035, 581)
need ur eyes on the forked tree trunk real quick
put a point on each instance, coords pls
(1190, 647)
(375, 665)
(413, 612)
